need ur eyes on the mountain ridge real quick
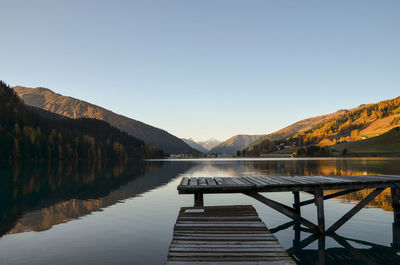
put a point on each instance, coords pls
(202, 146)
(210, 143)
(195, 145)
(49, 100)
(300, 126)
(361, 123)
(26, 135)
(234, 144)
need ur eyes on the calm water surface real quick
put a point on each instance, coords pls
(125, 213)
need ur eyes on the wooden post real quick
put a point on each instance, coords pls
(198, 199)
(396, 236)
(321, 250)
(396, 203)
(319, 202)
(296, 204)
(297, 238)
(396, 215)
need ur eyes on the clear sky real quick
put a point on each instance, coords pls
(205, 69)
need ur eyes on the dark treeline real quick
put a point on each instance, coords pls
(25, 135)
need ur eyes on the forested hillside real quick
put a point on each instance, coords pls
(46, 99)
(365, 122)
(25, 135)
(362, 123)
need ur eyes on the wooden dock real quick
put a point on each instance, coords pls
(315, 185)
(224, 235)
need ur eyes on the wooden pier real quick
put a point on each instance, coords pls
(224, 235)
(315, 185)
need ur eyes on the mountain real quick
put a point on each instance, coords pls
(204, 146)
(209, 144)
(234, 144)
(195, 145)
(74, 108)
(361, 123)
(25, 135)
(299, 126)
(381, 145)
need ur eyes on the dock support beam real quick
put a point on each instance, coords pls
(329, 196)
(319, 202)
(321, 250)
(396, 215)
(354, 210)
(396, 203)
(198, 199)
(296, 204)
(286, 210)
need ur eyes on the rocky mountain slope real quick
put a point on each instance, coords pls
(234, 144)
(195, 145)
(209, 144)
(202, 146)
(74, 108)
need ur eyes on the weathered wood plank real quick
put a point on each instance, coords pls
(193, 182)
(219, 218)
(227, 254)
(184, 181)
(202, 181)
(236, 236)
(230, 242)
(226, 245)
(211, 182)
(230, 260)
(286, 183)
(219, 181)
(207, 249)
(231, 263)
(239, 182)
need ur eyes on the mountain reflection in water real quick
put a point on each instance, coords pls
(40, 196)
(37, 198)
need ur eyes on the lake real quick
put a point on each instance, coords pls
(124, 213)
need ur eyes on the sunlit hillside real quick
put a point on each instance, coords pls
(387, 143)
(366, 122)
(356, 130)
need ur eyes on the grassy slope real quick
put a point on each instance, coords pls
(387, 143)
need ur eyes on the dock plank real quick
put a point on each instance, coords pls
(284, 183)
(193, 182)
(224, 235)
(184, 181)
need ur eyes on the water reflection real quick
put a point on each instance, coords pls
(308, 167)
(297, 167)
(139, 203)
(36, 197)
(346, 250)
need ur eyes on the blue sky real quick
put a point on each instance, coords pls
(205, 69)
